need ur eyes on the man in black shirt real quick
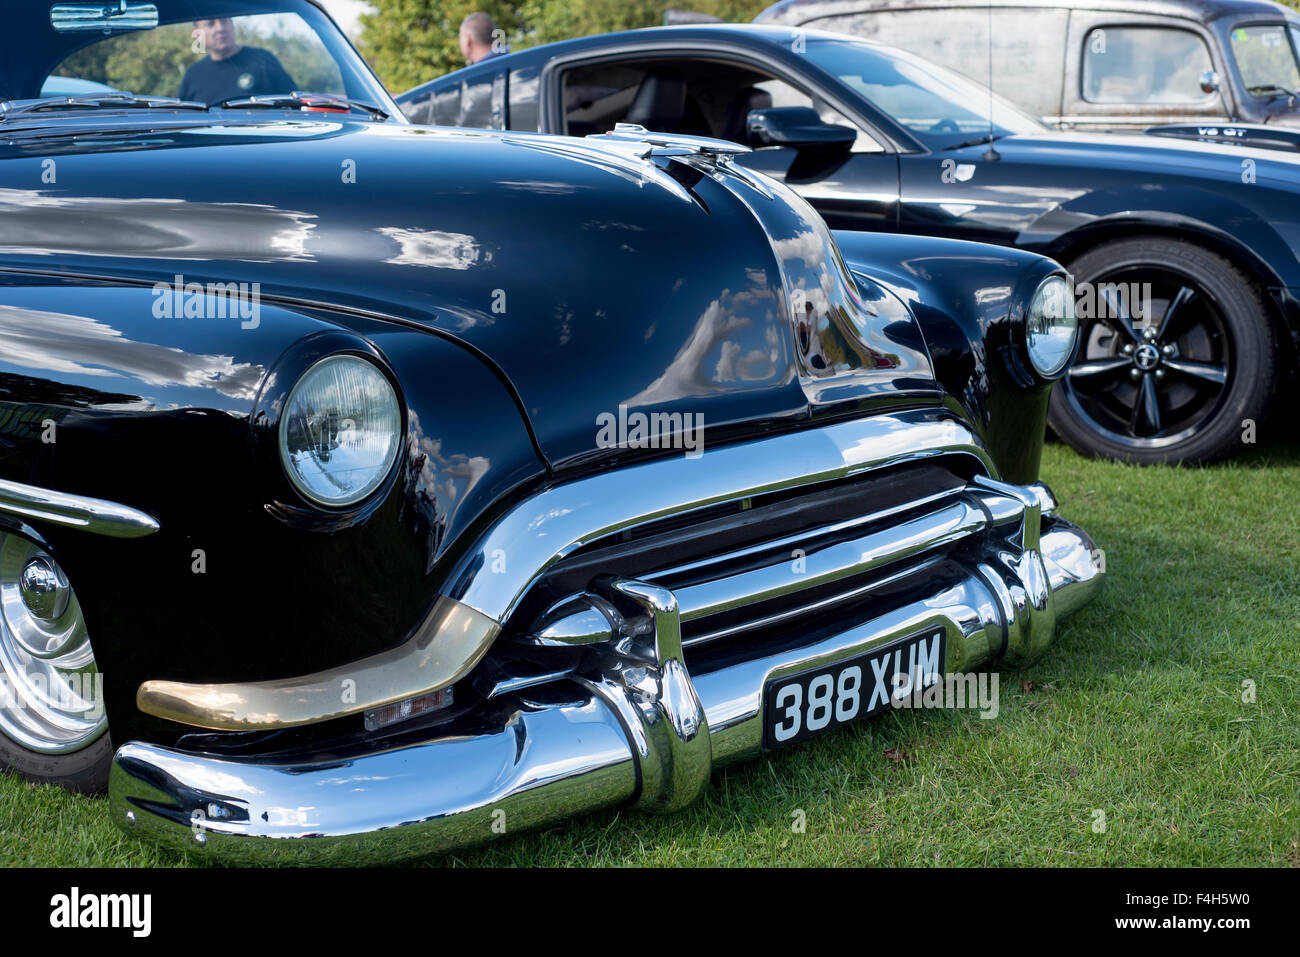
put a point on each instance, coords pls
(230, 70)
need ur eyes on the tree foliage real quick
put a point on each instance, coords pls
(410, 42)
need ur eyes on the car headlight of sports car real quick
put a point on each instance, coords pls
(340, 431)
(1051, 327)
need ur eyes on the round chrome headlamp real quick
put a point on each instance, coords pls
(340, 431)
(1051, 327)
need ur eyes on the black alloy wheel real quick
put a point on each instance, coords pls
(1176, 355)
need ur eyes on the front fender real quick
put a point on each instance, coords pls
(101, 398)
(1261, 227)
(969, 299)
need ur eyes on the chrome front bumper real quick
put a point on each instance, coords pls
(636, 729)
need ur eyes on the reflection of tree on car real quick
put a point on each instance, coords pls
(231, 69)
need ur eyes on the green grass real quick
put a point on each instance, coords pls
(1136, 711)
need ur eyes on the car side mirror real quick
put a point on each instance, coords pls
(799, 127)
(1210, 82)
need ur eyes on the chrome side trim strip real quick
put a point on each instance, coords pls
(1149, 119)
(545, 528)
(75, 511)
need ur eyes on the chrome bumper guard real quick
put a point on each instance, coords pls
(638, 729)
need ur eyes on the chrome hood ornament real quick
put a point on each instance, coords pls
(711, 156)
(670, 144)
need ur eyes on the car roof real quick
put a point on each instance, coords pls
(748, 33)
(757, 36)
(794, 12)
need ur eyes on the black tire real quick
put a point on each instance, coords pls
(84, 771)
(1215, 365)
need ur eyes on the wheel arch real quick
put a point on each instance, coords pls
(1070, 246)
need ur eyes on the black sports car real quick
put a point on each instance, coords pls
(1185, 253)
(364, 485)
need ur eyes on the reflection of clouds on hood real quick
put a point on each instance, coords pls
(459, 473)
(806, 246)
(732, 366)
(78, 345)
(538, 186)
(692, 373)
(433, 248)
(808, 264)
(605, 225)
(35, 223)
(992, 295)
(462, 318)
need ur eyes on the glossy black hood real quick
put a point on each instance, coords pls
(592, 280)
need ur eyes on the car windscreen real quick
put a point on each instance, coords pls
(203, 50)
(941, 108)
(1266, 58)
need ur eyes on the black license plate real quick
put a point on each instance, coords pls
(799, 706)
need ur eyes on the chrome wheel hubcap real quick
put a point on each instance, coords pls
(51, 693)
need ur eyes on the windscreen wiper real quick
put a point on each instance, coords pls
(97, 101)
(986, 138)
(311, 102)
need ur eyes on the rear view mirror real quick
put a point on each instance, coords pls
(796, 126)
(107, 16)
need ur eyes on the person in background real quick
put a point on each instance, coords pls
(476, 45)
(231, 70)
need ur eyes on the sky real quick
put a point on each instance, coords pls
(345, 13)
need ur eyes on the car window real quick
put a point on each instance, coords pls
(1028, 45)
(523, 112)
(1266, 58)
(476, 103)
(445, 109)
(1144, 65)
(273, 54)
(418, 109)
(694, 96)
(479, 103)
(941, 107)
(599, 96)
(783, 94)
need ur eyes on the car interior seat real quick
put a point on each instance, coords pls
(735, 128)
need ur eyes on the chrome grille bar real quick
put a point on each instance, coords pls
(558, 521)
(837, 562)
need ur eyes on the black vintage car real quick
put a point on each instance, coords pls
(363, 485)
(1185, 253)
